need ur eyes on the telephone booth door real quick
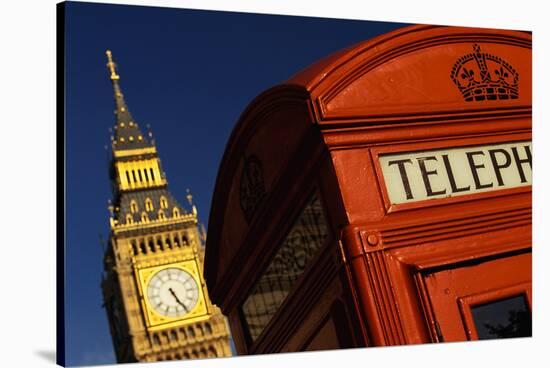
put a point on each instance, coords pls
(488, 299)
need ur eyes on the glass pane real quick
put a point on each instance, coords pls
(505, 318)
(301, 244)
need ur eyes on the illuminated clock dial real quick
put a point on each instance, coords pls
(172, 292)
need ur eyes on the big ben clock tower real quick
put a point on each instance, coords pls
(153, 287)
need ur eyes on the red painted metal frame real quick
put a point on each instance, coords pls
(466, 303)
(401, 285)
(451, 300)
(376, 152)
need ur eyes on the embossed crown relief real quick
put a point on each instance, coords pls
(481, 76)
(252, 188)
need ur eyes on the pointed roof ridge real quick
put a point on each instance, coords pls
(127, 134)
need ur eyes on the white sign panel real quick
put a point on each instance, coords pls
(418, 176)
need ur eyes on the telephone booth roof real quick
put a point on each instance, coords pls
(412, 75)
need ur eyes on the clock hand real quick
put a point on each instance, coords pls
(177, 299)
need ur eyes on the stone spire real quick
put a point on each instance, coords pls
(127, 134)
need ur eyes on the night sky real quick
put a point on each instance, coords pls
(188, 74)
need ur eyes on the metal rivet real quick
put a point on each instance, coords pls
(372, 239)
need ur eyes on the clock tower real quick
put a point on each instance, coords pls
(153, 287)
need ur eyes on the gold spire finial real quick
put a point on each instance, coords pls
(190, 200)
(111, 65)
(189, 197)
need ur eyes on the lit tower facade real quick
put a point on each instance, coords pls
(153, 287)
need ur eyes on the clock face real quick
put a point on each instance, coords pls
(172, 292)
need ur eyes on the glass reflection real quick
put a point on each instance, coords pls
(505, 318)
(302, 243)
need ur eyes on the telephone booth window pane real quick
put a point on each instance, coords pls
(302, 243)
(504, 318)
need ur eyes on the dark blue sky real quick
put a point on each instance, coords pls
(187, 73)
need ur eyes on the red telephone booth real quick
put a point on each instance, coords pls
(381, 197)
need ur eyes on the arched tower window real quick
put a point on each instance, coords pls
(129, 219)
(183, 333)
(176, 212)
(212, 352)
(159, 244)
(163, 202)
(144, 217)
(156, 339)
(145, 173)
(148, 204)
(161, 215)
(133, 206)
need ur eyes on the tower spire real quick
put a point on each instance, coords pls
(127, 133)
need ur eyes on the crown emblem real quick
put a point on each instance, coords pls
(480, 76)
